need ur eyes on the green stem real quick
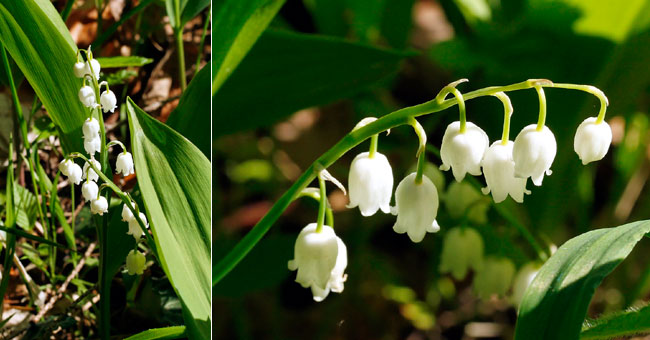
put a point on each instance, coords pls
(181, 58)
(604, 102)
(461, 109)
(420, 170)
(354, 138)
(203, 35)
(373, 145)
(542, 108)
(507, 112)
(322, 205)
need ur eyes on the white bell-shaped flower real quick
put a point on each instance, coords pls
(92, 145)
(92, 175)
(127, 214)
(499, 171)
(124, 164)
(370, 183)
(416, 205)
(108, 101)
(134, 226)
(494, 277)
(95, 68)
(592, 140)
(135, 262)
(533, 153)
(90, 128)
(320, 261)
(74, 173)
(64, 166)
(99, 206)
(463, 152)
(87, 96)
(89, 190)
(79, 69)
(462, 250)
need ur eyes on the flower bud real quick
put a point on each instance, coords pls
(90, 128)
(64, 166)
(592, 140)
(462, 249)
(463, 151)
(370, 183)
(108, 101)
(135, 262)
(79, 69)
(74, 173)
(95, 67)
(463, 200)
(134, 226)
(499, 170)
(91, 174)
(93, 145)
(533, 153)
(494, 277)
(87, 96)
(524, 278)
(99, 206)
(127, 214)
(416, 205)
(89, 190)
(320, 259)
(124, 164)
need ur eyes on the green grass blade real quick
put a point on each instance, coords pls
(121, 61)
(174, 178)
(174, 332)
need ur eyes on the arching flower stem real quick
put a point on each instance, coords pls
(322, 205)
(604, 102)
(315, 194)
(373, 145)
(541, 121)
(507, 113)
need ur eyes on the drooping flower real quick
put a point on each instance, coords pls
(416, 205)
(89, 190)
(524, 278)
(87, 96)
(533, 153)
(135, 262)
(370, 183)
(499, 171)
(320, 259)
(463, 151)
(90, 128)
(92, 145)
(134, 226)
(92, 175)
(95, 67)
(74, 172)
(494, 277)
(108, 101)
(64, 166)
(462, 249)
(124, 164)
(127, 214)
(99, 206)
(592, 140)
(79, 69)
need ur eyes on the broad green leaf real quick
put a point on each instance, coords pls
(40, 44)
(237, 25)
(555, 304)
(174, 178)
(174, 332)
(618, 325)
(191, 118)
(192, 9)
(113, 62)
(26, 204)
(286, 72)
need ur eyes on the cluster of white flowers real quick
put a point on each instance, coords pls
(91, 129)
(321, 256)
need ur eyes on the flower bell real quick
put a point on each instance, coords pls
(90, 128)
(592, 140)
(416, 205)
(499, 171)
(64, 166)
(134, 226)
(79, 69)
(99, 206)
(370, 183)
(124, 164)
(87, 96)
(93, 145)
(463, 151)
(108, 101)
(89, 190)
(90, 172)
(533, 153)
(320, 259)
(494, 277)
(135, 262)
(127, 214)
(95, 67)
(462, 249)
(74, 172)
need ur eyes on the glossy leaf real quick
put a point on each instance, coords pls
(120, 61)
(286, 72)
(191, 118)
(46, 62)
(630, 322)
(174, 178)
(174, 332)
(238, 25)
(555, 304)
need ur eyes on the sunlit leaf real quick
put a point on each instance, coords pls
(174, 332)
(616, 325)
(120, 61)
